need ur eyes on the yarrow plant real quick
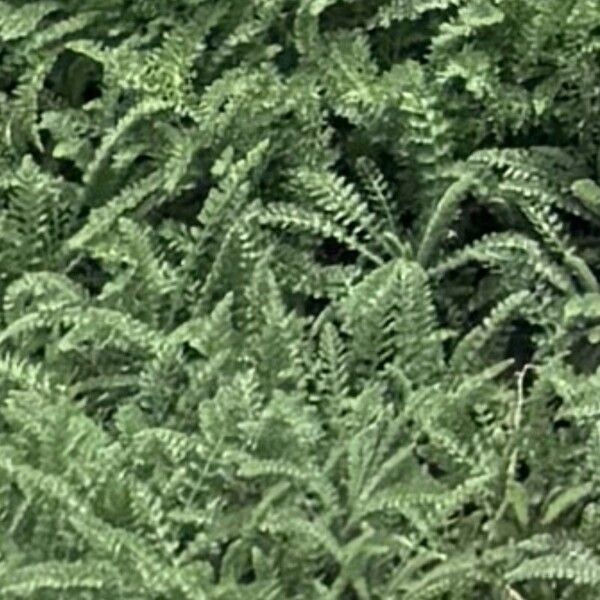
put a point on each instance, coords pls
(299, 299)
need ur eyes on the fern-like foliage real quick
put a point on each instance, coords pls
(299, 299)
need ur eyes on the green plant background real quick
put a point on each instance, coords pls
(299, 299)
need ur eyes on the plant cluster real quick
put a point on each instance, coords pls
(299, 299)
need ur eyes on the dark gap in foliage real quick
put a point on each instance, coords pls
(550, 135)
(328, 573)
(287, 60)
(75, 78)
(189, 353)
(248, 576)
(187, 123)
(142, 163)
(313, 306)
(89, 273)
(54, 17)
(584, 357)
(83, 213)
(287, 117)
(68, 170)
(46, 140)
(268, 187)
(386, 162)
(185, 207)
(559, 424)
(181, 9)
(479, 590)
(476, 220)
(401, 41)
(123, 103)
(554, 403)
(521, 347)
(184, 210)
(332, 252)
(180, 315)
(92, 406)
(580, 227)
(213, 65)
(469, 508)
(40, 158)
(349, 593)
(584, 232)
(8, 80)
(143, 32)
(8, 86)
(186, 536)
(448, 344)
(522, 471)
(342, 128)
(216, 557)
(214, 38)
(434, 469)
(190, 202)
(406, 220)
(431, 467)
(38, 355)
(91, 91)
(454, 300)
(343, 167)
(65, 168)
(340, 16)
(543, 72)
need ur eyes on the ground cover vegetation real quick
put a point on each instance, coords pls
(300, 299)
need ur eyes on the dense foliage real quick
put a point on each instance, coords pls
(300, 299)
